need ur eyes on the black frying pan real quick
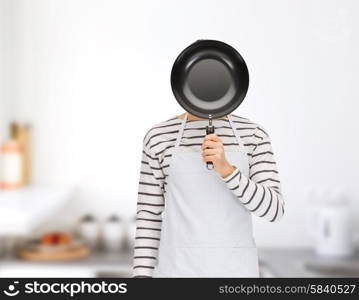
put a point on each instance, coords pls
(209, 79)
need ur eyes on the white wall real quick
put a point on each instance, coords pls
(3, 103)
(93, 76)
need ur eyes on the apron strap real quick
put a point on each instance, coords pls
(242, 149)
(244, 169)
(180, 132)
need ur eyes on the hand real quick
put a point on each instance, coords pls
(212, 150)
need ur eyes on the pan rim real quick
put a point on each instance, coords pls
(218, 47)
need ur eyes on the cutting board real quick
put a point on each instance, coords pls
(61, 254)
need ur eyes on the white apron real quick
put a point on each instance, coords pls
(206, 230)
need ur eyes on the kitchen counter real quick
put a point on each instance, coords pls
(98, 264)
(273, 263)
(305, 263)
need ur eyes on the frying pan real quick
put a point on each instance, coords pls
(209, 79)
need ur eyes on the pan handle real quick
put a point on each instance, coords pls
(209, 130)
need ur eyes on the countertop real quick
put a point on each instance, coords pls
(97, 264)
(305, 262)
(274, 262)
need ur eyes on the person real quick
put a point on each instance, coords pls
(196, 222)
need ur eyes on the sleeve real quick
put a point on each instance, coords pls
(150, 205)
(260, 193)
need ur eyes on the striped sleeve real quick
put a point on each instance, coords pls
(260, 193)
(150, 204)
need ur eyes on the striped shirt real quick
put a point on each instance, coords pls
(260, 192)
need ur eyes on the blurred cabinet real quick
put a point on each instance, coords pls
(23, 209)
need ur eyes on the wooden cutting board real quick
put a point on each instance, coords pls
(71, 253)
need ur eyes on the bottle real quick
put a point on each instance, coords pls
(89, 231)
(113, 234)
(11, 165)
(22, 135)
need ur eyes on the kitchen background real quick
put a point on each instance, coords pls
(87, 79)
